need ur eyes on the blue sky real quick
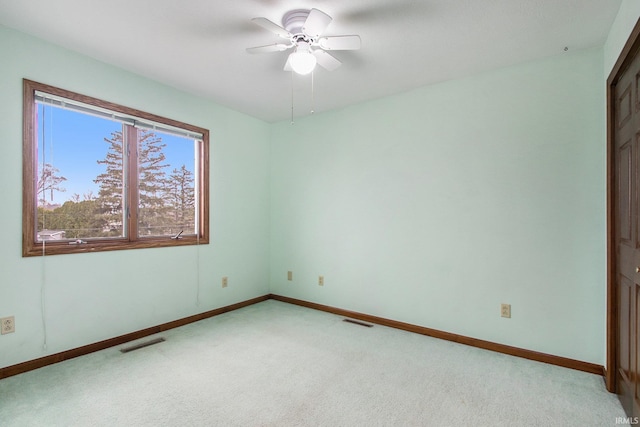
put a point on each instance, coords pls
(73, 142)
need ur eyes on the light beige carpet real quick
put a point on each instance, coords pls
(275, 364)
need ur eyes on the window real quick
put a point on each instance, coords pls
(99, 176)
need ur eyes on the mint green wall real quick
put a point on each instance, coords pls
(628, 15)
(97, 296)
(435, 206)
(430, 207)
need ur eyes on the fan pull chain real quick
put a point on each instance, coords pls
(313, 101)
(292, 97)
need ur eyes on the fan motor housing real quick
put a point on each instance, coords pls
(294, 20)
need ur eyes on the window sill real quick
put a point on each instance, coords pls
(69, 247)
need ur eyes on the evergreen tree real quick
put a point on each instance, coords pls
(181, 197)
(79, 220)
(152, 183)
(111, 182)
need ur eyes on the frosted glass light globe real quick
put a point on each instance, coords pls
(302, 60)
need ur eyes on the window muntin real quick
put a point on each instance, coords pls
(125, 179)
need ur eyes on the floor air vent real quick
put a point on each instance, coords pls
(355, 322)
(142, 345)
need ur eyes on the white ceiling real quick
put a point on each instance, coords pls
(199, 45)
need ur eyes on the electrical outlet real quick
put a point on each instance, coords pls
(7, 325)
(321, 280)
(289, 275)
(225, 281)
(505, 310)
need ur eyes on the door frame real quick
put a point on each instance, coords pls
(631, 47)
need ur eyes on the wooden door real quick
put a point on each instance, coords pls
(626, 119)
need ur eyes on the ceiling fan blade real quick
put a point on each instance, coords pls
(287, 65)
(325, 60)
(316, 23)
(340, 43)
(275, 47)
(273, 27)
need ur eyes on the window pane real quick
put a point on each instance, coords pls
(79, 190)
(111, 176)
(166, 184)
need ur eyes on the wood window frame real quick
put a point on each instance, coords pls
(32, 247)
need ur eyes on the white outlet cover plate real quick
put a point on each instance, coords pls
(7, 325)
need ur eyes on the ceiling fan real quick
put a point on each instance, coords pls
(303, 28)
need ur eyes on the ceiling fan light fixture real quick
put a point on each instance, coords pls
(303, 28)
(302, 61)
